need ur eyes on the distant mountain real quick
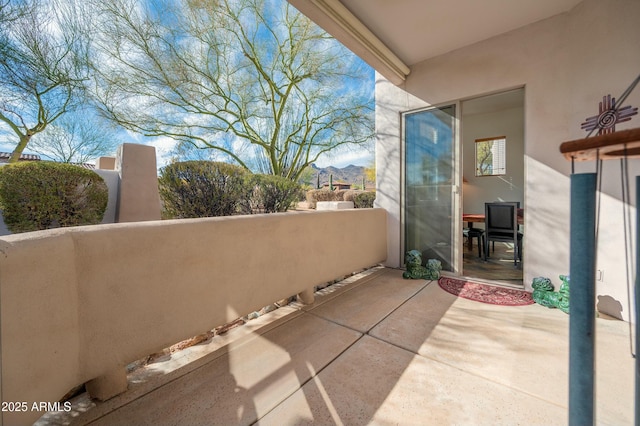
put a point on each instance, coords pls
(350, 174)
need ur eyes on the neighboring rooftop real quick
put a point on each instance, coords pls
(85, 165)
(4, 157)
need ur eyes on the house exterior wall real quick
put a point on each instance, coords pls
(566, 63)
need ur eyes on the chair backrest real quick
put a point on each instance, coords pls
(501, 217)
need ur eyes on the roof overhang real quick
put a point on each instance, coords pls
(393, 36)
(337, 20)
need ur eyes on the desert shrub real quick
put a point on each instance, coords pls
(202, 189)
(315, 195)
(339, 194)
(272, 194)
(350, 194)
(39, 195)
(312, 197)
(364, 200)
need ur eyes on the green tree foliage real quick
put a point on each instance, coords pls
(203, 189)
(370, 173)
(254, 80)
(484, 158)
(308, 178)
(42, 66)
(41, 195)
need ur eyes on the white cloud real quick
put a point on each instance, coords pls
(164, 147)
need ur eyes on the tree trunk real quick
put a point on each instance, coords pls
(15, 155)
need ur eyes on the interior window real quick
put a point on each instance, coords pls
(491, 158)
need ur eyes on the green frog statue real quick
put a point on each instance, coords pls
(415, 270)
(544, 295)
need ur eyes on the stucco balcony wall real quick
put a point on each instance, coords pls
(81, 303)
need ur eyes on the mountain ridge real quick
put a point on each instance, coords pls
(350, 174)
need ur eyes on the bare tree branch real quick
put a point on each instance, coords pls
(231, 74)
(42, 69)
(76, 138)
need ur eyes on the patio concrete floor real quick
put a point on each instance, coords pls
(377, 349)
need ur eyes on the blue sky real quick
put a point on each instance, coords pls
(164, 146)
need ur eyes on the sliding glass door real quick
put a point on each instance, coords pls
(430, 184)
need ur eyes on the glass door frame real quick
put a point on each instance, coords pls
(456, 186)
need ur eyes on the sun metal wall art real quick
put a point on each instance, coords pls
(608, 116)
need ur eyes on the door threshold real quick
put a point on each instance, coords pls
(497, 283)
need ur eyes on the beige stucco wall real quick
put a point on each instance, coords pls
(138, 196)
(78, 303)
(566, 64)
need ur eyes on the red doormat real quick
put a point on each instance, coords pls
(485, 293)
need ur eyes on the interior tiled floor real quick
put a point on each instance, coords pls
(377, 349)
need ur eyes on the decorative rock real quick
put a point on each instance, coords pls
(284, 302)
(268, 308)
(224, 328)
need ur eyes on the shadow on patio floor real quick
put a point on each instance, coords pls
(378, 349)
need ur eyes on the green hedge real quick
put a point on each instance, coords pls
(39, 195)
(364, 200)
(202, 189)
(205, 188)
(315, 195)
(273, 194)
(361, 199)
